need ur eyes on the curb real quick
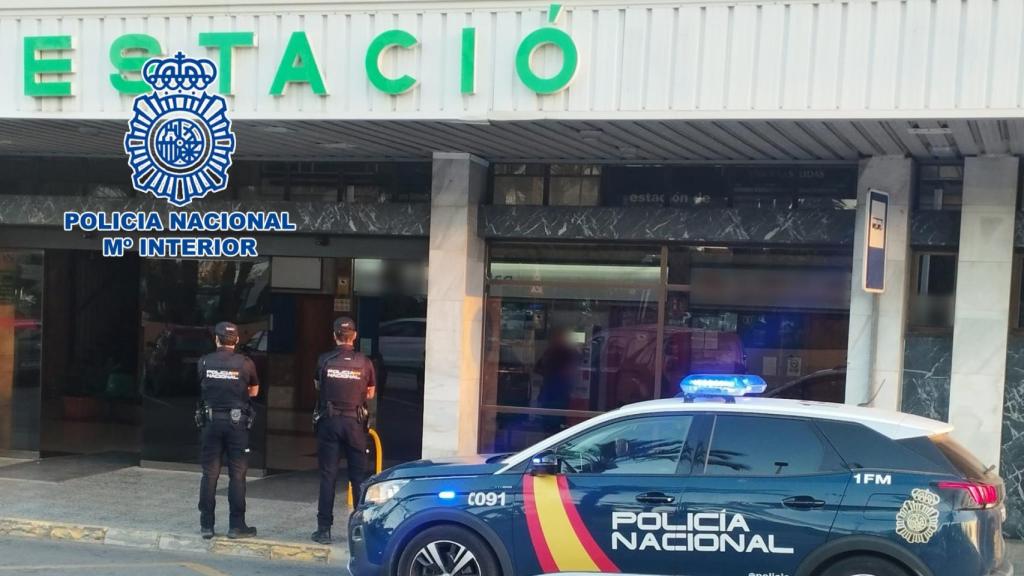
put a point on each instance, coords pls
(265, 549)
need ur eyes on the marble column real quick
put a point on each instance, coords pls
(455, 296)
(875, 346)
(981, 317)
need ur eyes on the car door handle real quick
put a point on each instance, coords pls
(655, 498)
(803, 503)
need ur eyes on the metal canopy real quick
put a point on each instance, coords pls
(606, 141)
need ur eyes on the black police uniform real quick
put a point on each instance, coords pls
(225, 377)
(343, 377)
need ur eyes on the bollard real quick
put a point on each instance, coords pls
(378, 465)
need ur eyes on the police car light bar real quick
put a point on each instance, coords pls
(721, 385)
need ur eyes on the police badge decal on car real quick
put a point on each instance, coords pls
(179, 139)
(918, 518)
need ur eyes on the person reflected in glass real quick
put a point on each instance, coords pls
(559, 368)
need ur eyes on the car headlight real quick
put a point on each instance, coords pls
(383, 491)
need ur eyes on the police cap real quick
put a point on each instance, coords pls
(344, 325)
(227, 332)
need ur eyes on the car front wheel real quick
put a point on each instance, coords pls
(864, 566)
(447, 551)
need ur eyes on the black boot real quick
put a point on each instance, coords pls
(322, 535)
(243, 532)
(207, 532)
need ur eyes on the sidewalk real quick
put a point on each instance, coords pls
(127, 505)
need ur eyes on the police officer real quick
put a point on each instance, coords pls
(228, 380)
(345, 380)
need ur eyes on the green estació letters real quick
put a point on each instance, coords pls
(36, 66)
(298, 65)
(124, 62)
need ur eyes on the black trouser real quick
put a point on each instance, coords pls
(220, 437)
(334, 434)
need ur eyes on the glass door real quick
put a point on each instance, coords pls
(181, 301)
(21, 331)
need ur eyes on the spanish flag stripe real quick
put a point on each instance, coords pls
(586, 538)
(540, 545)
(563, 542)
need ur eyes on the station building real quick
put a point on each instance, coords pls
(535, 213)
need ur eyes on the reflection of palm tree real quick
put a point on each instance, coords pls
(725, 458)
(604, 457)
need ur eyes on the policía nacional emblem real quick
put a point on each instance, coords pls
(918, 518)
(179, 141)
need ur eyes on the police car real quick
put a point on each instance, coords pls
(735, 486)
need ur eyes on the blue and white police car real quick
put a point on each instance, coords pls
(744, 487)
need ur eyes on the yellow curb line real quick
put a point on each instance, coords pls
(266, 549)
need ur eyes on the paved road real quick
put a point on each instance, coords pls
(39, 557)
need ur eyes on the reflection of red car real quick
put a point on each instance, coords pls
(7, 322)
(625, 359)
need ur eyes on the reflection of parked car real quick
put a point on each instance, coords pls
(402, 342)
(822, 386)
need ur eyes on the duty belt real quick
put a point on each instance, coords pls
(335, 410)
(225, 414)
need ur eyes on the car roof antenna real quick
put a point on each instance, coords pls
(871, 400)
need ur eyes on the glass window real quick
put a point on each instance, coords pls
(563, 184)
(21, 340)
(961, 458)
(765, 446)
(575, 185)
(519, 184)
(569, 332)
(940, 187)
(572, 331)
(782, 314)
(766, 187)
(862, 447)
(181, 300)
(822, 386)
(649, 445)
(934, 293)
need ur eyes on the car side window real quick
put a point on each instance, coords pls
(768, 446)
(645, 445)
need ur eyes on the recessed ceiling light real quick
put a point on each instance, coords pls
(929, 131)
(471, 120)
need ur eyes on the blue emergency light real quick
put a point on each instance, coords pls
(721, 385)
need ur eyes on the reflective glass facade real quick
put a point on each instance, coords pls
(573, 331)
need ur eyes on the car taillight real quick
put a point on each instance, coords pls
(983, 495)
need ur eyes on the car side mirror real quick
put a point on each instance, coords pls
(545, 464)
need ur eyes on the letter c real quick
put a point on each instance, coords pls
(380, 44)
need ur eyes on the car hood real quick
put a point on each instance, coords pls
(441, 467)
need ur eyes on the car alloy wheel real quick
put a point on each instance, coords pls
(445, 558)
